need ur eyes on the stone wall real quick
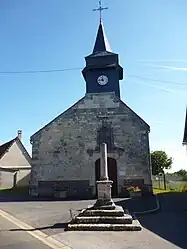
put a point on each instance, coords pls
(66, 149)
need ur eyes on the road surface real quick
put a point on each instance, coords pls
(12, 238)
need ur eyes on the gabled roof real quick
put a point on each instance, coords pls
(5, 147)
(185, 130)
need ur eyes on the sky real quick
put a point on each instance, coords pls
(150, 37)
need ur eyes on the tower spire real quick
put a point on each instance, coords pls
(101, 43)
(100, 9)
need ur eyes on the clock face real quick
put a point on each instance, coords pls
(102, 80)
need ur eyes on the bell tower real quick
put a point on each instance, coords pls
(102, 72)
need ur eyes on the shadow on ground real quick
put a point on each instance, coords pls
(55, 226)
(21, 195)
(139, 204)
(170, 222)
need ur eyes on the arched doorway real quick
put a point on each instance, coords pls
(112, 173)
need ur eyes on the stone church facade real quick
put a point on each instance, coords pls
(66, 152)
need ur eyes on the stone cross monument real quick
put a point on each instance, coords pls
(104, 215)
(104, 185)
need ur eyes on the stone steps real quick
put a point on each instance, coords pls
(135, 226)
(92, 219)
(118, 212)
(126, 219)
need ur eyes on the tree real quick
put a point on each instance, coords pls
(160, 161)
(181, 172)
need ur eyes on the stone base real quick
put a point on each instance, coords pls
(104, 204)
(92, 219)
(104, 189)
(118, 211)
(134, 226)
(126, 219)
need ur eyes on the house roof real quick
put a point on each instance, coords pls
(4, 147)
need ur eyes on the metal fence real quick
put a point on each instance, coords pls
(171, 182)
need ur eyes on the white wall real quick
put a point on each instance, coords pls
(15, 157)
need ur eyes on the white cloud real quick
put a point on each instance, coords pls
(157, 87)
(172, 68)
(163, 60)
(166, 89)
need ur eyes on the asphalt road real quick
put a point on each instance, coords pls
(17, 239)
(165, 229)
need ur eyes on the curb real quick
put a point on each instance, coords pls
(151, 210)
(44, 238)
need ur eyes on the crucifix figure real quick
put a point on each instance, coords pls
(100, 9)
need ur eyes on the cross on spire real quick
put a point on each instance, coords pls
(100, 9)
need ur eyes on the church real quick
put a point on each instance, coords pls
(66, 151)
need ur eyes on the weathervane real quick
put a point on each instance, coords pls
(100, 9)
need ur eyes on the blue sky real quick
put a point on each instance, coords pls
(150, 36)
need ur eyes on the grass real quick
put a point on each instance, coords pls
(162, 191)
(171, 186)
(175, 187)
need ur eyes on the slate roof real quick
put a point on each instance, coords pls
(5, 147)
(101, 43)
(185, 131)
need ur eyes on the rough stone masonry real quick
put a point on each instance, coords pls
(65, 151)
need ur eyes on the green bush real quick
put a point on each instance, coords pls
(185, 178)
(184, 188)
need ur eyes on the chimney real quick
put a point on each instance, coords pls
(20, 134)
